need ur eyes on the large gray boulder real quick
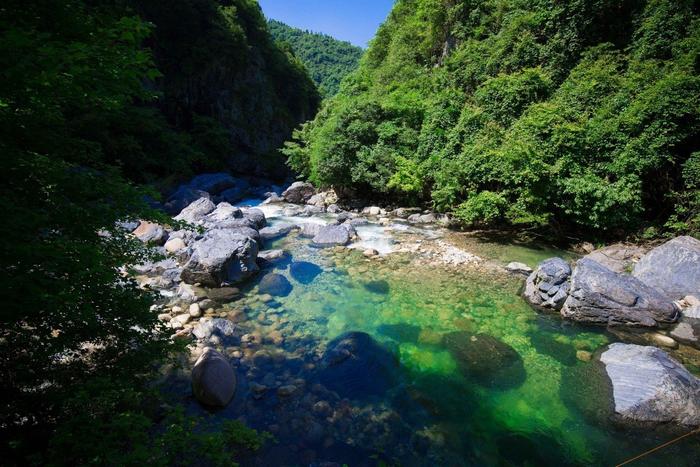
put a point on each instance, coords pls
(196, 211)
(299, 192)
(221, 257)
(256, 216)
(672, 268)
(213, 379)
(213, 183)
(650, 386)
(182, 198)
(601, 296)
(331, 235)
(223, 212)
(618, 257)
(548, 286)
(276, 231)
(148, 232)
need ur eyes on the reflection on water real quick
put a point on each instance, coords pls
(382, 360)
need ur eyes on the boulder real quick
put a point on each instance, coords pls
(650, 386)
(256, 216)
(174, 245)
(304, 272)
(600, 296)
(275, 284)
(196, 211)
(220, 327)
(148, 232)
(299, 192)
(276, 231)
(672, 268)
(310, 230)
(221, 257)
(355, 366)
(403, 213)
(692, 312)
(318, 200)
(519, 268)
(331, 235)
(548, 286)
(213, 183)
(213, 379)
(687, 331)
(618, 258)
(224, 212)
(236, 193)
(271, 255)
(486, 360)
(183, 197)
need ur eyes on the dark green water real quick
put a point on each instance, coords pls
(479, 378)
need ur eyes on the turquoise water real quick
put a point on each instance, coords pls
(459, 370)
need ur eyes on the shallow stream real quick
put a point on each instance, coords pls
(459, 370)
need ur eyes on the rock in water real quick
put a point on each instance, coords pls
(221, 257)
(356, 366)
(649, 386)
(213, 379)
(331, 235)
(600, 296)
(548, 286)
(275, 284)
(304, 272)
(220, 327)
(196, 211)
(379, 287)
(672, 268)
(618, 258)
(299, 192)
(277, 231)
(256, 216)
(486, 360)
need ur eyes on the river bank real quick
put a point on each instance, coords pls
(407, 342)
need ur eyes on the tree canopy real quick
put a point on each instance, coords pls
(580, 115)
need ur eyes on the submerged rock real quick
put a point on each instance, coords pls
(379, 287)
(331, 235)
(299, 192)
(221, 257)
(220, 327)
(486, 360)
(548, 286)
(275, 284)
(213, 379)
(356, 366)
(600, 296)
(650, 386)
(672, 268)
(277, 231)
(304, 272)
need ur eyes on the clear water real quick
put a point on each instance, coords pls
(433, 412)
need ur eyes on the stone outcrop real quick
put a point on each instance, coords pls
(619, 257)
(548, 286)
(600, 296)
(196, 211)
(672, 268)
(221, 257)
(650, 386)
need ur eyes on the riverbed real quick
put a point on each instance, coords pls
(434, 391)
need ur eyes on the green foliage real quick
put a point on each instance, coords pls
(78, 343)
(583, 115)
(327, 59)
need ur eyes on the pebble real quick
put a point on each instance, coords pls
(195, 310)
(370, 252)
(664, 341)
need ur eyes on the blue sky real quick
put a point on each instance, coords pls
(354, 21)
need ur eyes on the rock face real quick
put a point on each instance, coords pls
(221, 257)
(196, 211)
(486, 360)
(618, 258)
(299, 192)
(672, 268)
(275, 284)
(331, 235)
(548, 286)
(600, 296)
(213, 379)
(649, 386)
(355, 366)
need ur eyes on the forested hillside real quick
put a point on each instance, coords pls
(95, 96)
(327, 59)
(579, 116)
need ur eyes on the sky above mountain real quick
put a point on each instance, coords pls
(354, 21)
